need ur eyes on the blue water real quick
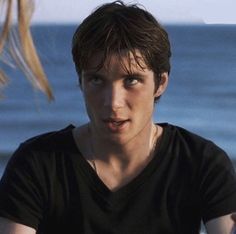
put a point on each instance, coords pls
(201, 95)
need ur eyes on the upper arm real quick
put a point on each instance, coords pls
(21, 192)
(9, 227)
(217, 190)
(221, 225)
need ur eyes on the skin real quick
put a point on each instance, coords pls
(9, 227)
(222, 225)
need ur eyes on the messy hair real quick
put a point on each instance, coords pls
(114, 28)
(18, 44)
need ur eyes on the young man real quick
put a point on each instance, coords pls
(119, 173)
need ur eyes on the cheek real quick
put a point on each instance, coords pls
(146, 102)
(90, 96)
(143, 97)
(91, 102)
(92, 107)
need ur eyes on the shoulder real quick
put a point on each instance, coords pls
(189, 139)
(54, 140)
(180, 135)
(41, 151)
(43, 147)
(183, 135)
(193, 147)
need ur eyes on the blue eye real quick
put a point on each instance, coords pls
(96, 80)
(130, 81)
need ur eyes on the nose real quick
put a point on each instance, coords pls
(114, 97)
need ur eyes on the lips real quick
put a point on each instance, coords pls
(116, 124)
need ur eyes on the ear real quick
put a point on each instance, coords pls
(162, 85)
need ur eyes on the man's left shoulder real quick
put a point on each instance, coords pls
(198, 146)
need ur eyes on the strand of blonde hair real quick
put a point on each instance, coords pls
(18, 43)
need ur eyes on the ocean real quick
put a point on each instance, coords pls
(201, 95)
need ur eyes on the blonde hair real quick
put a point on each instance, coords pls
(19, 45)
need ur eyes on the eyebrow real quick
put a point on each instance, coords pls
(134, 74)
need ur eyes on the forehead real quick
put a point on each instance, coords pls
(125, 60)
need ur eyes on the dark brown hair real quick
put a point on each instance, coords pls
(115, 27)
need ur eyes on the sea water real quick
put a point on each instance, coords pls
(201, 95)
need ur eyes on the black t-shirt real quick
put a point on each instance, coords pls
(48, 185)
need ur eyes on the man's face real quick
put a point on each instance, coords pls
(119, 103)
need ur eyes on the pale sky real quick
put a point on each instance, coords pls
(167, 11)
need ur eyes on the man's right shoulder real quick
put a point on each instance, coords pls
(49, 140)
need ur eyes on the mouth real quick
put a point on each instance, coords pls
(116, 124)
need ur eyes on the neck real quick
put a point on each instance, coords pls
(126, 153)
(117, 164)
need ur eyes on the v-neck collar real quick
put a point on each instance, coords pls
(94, 181)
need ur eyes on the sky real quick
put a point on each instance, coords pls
(166, 11)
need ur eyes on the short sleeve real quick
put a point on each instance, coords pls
(218, 184)
(21, 197)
